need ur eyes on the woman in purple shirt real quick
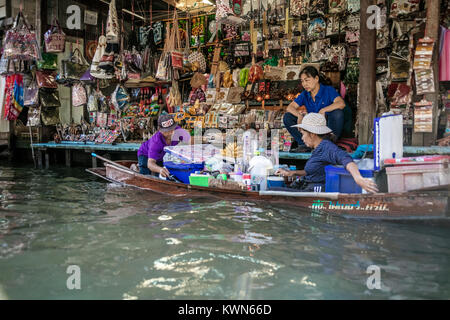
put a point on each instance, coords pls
(151, 152)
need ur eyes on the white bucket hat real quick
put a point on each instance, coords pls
(314, 123)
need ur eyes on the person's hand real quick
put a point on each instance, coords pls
(164, 172)
(300, 118)
(284, 173)
(367, 185)
(322, 111)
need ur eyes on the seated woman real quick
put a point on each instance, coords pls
(317, 98)
(315, 134)
(151, 152)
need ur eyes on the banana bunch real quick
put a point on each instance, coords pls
(233, 150)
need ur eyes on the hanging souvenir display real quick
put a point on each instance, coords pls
(423, 116)
(423, 54)
(299, 7)
(424, 81)
(75, 67)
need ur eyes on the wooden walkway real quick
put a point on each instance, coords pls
(41, 150)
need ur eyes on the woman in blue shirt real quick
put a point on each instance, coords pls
(317, 98)
(314, 134)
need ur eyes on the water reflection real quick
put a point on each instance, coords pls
(133, 244)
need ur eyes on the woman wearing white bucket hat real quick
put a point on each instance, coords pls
(315, 135)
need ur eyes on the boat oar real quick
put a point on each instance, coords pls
(110, 162)
(170, 177)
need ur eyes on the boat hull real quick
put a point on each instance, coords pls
(420, 204)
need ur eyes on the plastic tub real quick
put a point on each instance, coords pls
(338, 179)
(183, 171)
(275, 181)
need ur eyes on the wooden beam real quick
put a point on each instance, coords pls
(432, 31)
(367, 77)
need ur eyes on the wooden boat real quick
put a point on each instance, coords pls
(430, 203)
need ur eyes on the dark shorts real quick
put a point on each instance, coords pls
(143, 169)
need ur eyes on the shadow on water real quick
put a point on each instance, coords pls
(135, 244)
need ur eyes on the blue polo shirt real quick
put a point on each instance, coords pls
(326, 153)
(324, 98)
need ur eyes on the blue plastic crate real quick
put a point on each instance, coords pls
(338, 179)
(184, 170)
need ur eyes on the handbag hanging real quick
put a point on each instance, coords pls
(55, 38)
(20, 41)
(46, 79)
(175, 45)
(79, 97)
(50, 116)
(76, 66)
(49, 98)
(49, 61)
(31, 93)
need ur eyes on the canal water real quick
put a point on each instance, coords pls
(134, 244)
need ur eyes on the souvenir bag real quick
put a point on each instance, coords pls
(50, 116)
(112, 24)
(49, 98)
(6, 66)
(95, 71)
(31, 94)
(34, 117)
(120, 98)
(14, 97)
(162, 72)
(299, 7)
(46, 79)
(353, 5)
(199, 95)
(403, 7)
(337, 6)
(75, 67)
(175, 45)
(317, 29)
(49, 61)
(225, 15)
(158, 29)
(399, 59)
(351, 36)
(92, 105)
(337, 54)
(79, 97)
(352, 71)
(196, 58)
(55, 38)
(317, 6)
(20, 41)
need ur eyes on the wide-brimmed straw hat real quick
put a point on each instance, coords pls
(314, 123)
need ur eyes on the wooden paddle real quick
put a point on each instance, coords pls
(110, 162)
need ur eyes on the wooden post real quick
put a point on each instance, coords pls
(432, 31)
(367, 77)
(47, 160)
(68, 160)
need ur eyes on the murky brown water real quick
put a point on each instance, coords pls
(133, 244)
